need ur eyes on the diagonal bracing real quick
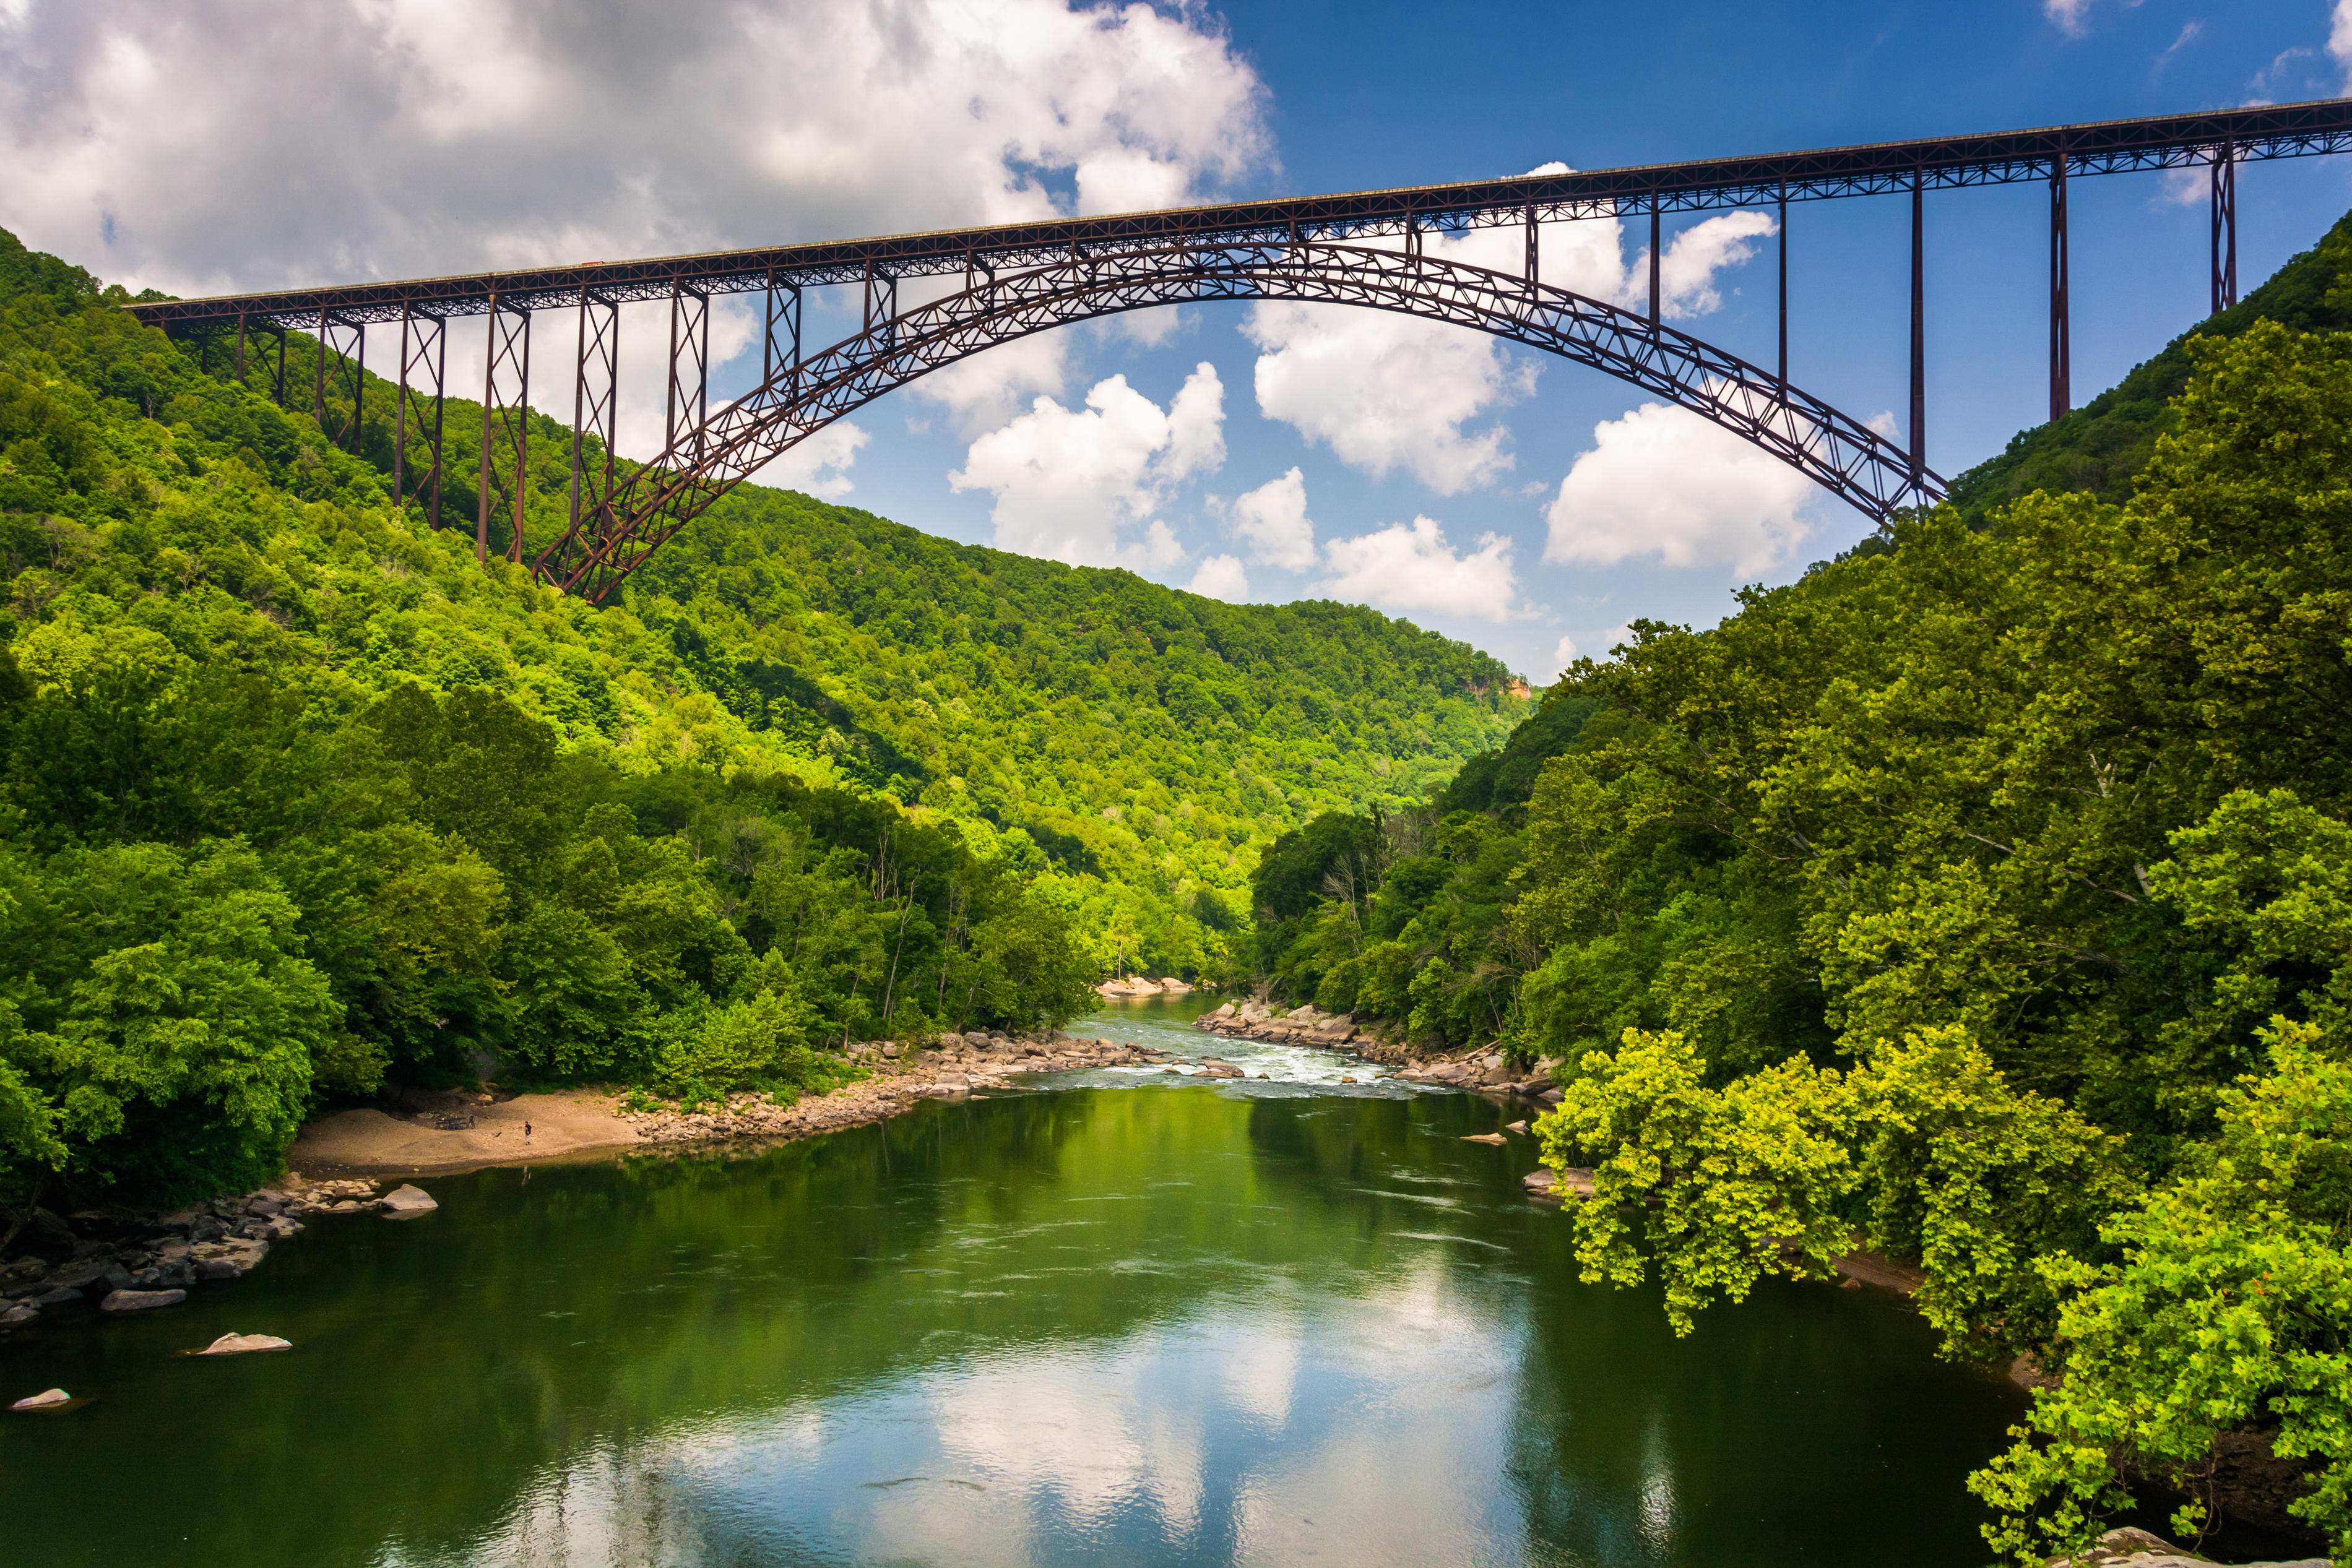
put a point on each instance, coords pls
(646, 508)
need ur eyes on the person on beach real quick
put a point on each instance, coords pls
(526, 1131)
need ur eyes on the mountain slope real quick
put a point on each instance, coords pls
(2104, 444)
(1156, 735)
(1141, 740)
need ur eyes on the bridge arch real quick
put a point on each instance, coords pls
(646, 509)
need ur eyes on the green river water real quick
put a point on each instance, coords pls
(1125, 1318)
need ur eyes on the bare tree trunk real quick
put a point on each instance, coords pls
(890, 988)
(32, 1204)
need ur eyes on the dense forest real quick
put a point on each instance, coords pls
(297, 800)
(1984, 896)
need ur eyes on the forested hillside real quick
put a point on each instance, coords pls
(1989, 895)
(1155, 737)
(296, 797)
(2103, 445)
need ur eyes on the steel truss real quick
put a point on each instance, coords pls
(424, 357)
(595, 411)
(800, 397)
(501, 483)
(341, 361)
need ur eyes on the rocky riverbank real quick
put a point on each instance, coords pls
(957, 1065)
(1142, 986)
(127, 1263)
(1481, 1067)
(118, 1262)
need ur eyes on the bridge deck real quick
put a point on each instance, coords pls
(2106, 147)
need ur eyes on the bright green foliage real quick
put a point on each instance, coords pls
(1124, 730)
(1946, 896)
(151, 991)
(1405, 914)
(1757, 1176)
(402, 816)
(2230, 1308)
(1732, 1184)
(1976, 1181)
(758, 1042)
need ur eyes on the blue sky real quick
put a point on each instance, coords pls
(1390, 462)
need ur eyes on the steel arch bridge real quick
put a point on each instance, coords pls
(646, 508)
(1021, 279)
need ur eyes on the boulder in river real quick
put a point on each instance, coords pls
(1547, 1186)
(1515, 1127)
(19, 1314)
(1495, 1138)
(47, 1399)
(140, 1301)
(245, 1344)
(406, 1199)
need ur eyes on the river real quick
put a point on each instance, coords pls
(1124, 1318)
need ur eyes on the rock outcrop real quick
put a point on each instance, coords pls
(2129, 1548)
(140, 1301)
(1139, 986)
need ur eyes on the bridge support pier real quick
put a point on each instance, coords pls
(2061, 329)
(2225, 229)
(506, 429)
(345, 343)
(781, 308)
(881, 302)
(595, 411)
(1918, 325)
(1654, 260)
(424, 353)
(1784, 293)
(686, 402)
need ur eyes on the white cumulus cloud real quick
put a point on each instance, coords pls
(992, 386)
(2339, 42)
(1411, 568)
(412, 138)
(1666, 483)
(820, 464)
(1067, 481)
(1385, 392)
(1222, 576)
(1273, 519)
(1687, 268)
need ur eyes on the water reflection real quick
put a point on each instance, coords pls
(1172, 1327)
